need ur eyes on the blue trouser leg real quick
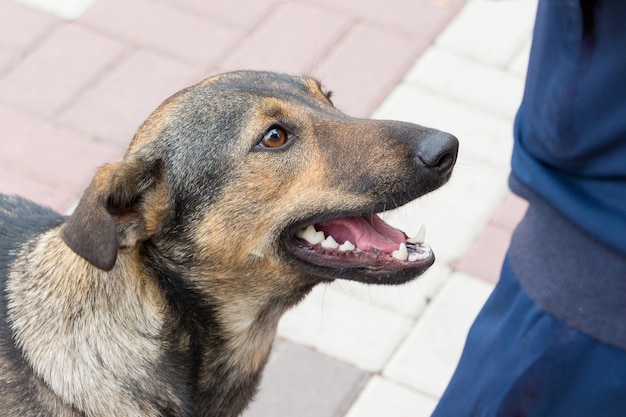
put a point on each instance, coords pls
(519, 361)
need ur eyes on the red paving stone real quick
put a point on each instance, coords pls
(7, 57)
(77, 86)
(423, 18)
(180, 34)
(63, 156)
(510, 212)
(366, 65)
(54, 156)
(15, 182)
(485, 257)
(66, 62)
(289, 40)
(242, 14)
(21, 27)
(114, 108)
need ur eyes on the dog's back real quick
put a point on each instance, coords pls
(19, 220)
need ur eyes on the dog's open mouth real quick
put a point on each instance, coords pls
(362, 248)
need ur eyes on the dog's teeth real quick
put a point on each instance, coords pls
(306, 233)
(347, 246)
(330, 243)
(419, 237)
(311, 235)
(401, 254)
(417, 256)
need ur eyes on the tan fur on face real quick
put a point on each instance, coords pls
(153, 127)
(268, 191)
(316, 90)
(161, 293)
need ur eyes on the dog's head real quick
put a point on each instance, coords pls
(257, 177)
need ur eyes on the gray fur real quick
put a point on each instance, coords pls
(160, 295)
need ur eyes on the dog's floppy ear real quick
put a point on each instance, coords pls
(125, 204)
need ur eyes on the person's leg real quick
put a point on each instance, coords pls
(520, 361)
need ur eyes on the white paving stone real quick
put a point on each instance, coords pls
(478, 85)
(427, 358)
(344, 327)
(408, 300)
(490, 31)
(455, 214)
(484, 139)
(65, 9)
(470, 84)
(519, 64)
(382, 397)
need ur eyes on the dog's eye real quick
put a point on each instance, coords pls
(274, 138)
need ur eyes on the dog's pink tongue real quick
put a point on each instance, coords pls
(365, 232)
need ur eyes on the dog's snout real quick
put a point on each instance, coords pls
(439, 152)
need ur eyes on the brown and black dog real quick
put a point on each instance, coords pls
(160, 295)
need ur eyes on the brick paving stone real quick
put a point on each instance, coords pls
(455, 214)
(365, 65)
(477, 32)
(181, 34)
(68, 60)
(13, 181)
(427, 358)
(243, 14)
(485, 139)
(344, 327)
(65, 9)
(485, 257)
(382, 397)
(408, 300)
(510, 212)
(290, 40)
(114, 108)
(54, 156)
(519, 64)
(301, 382)
(481, 86)
(423, 18)
(7, 57)
(21, 27)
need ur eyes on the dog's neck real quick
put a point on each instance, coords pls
(232, 321)
(92, 335)
(88, 330)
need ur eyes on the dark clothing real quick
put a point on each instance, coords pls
(520, 361)
(570, 132)
(570, 274)
(551, 340)
(569, 161)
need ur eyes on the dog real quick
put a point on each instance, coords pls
(161, 294)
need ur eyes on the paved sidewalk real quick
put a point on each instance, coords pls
(77, 77)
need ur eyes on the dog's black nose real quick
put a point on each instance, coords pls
(439, 151)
